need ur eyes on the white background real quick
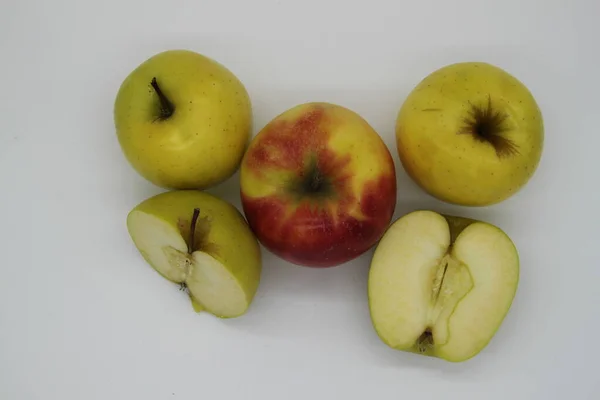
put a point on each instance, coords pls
(83, 317)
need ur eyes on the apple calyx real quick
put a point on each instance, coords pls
(488, 124)
(425, 342)
(166, 108)
(313, 182)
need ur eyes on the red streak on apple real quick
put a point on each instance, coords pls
(312, 237)
(285, 144)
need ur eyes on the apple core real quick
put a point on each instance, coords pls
(450, 282)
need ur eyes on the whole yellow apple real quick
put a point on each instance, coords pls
(470, 134)
(183, 120)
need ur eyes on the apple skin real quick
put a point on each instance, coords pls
(342, 221)
(203, 142)
(463, 168)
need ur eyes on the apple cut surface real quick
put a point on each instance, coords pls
(208, 281)
(215, 287)
(161, 245)
(202, 243)
(441, 286)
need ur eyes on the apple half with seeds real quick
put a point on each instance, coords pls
(201, 243)
(441, 285)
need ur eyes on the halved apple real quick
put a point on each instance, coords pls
(203, 244)
(441, 285)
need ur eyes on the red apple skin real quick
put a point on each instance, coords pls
(333, 228)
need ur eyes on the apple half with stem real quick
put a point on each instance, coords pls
(441, 285)
(202, 243)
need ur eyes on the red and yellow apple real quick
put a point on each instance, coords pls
(318, 185)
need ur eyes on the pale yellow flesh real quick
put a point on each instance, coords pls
(158, 242)
(420, 282)
(211, 285)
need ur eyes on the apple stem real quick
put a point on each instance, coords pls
(166, 107)
(193, 230)
(437, 295)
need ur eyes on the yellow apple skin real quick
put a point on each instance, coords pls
(323, 228)
(226, 235)
(203, 142)
(458, 167)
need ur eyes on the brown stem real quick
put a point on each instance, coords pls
(166, 107)
(193, 230)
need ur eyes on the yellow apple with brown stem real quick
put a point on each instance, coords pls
(183, 120)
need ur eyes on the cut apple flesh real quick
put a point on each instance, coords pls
(213, 286)
(210, 284)
(433, 296)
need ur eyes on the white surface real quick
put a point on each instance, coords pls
(82, 316)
